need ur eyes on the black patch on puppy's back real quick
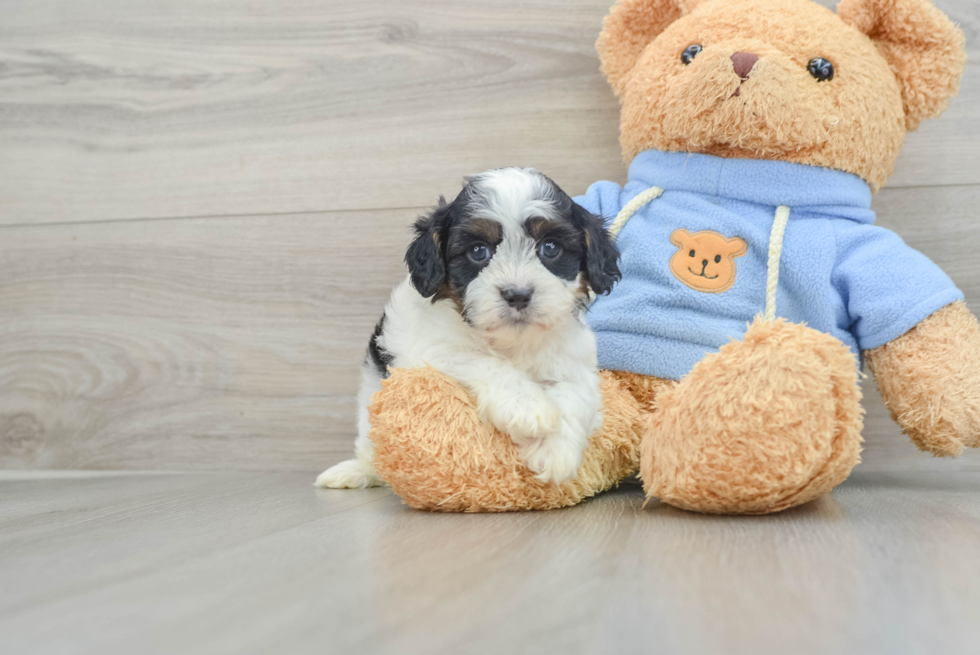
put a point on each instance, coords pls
(380, 358)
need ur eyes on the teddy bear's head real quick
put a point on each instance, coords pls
(780, 79)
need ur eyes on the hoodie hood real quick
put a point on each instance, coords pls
(807, 190)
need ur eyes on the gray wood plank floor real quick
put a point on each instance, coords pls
(263, 562)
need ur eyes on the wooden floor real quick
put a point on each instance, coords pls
(216, 563)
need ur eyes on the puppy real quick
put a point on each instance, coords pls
(498, 282)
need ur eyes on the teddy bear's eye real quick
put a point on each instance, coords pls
(717, 259)
(691, 253)
(690, 52)
(821, 69)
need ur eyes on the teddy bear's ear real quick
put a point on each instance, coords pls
(679, 236)
(737, 246)
(629, 27)
(923, 47)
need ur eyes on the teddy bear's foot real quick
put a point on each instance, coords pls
(644, 388)
(768, 423)
(434, 452)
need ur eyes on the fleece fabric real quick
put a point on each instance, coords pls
(839, 273)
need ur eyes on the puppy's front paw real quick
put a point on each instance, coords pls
(554, 458)
(528, 417)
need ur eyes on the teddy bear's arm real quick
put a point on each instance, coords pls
(929, 379)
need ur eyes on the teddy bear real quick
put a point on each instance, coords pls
(755, 282)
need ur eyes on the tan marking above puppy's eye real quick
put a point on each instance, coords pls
(486, 229)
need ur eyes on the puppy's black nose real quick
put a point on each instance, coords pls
(704, 262)
(516, 298)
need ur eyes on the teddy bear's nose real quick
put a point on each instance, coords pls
(743, 62)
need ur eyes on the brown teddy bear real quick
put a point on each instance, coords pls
(756, 132)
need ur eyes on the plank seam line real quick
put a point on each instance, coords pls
(103, 221)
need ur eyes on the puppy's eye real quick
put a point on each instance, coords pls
(478, 254)
(717, 259)
(690, 52)
(550, 250)
(821, 69)
(690, 254)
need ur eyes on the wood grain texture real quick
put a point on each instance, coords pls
(169, 298)
(234, 343)
(258, 563)
(153, 108)
(198, 343)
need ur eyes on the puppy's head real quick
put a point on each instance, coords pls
(512, 251)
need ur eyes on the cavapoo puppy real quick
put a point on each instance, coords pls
(498, 282)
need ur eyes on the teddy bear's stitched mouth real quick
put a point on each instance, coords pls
(708, 277)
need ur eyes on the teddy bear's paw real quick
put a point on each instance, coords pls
(556, 457)
(765, 424)
(929, 379)
(644, 388)
(432, 449)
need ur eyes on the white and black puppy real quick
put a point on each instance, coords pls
(498, 282)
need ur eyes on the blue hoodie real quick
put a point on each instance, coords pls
(839, 273)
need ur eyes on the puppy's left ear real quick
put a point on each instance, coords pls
(601, 266)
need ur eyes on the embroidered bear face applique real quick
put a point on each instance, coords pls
(705, 261)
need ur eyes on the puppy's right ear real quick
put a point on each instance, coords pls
(425, 256)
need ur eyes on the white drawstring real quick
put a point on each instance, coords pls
(775, 241)
(632, 207)
(775, 253)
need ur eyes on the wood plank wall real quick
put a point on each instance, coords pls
(204, 205)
